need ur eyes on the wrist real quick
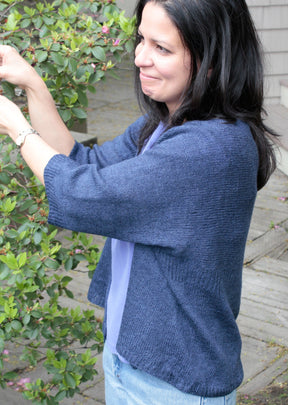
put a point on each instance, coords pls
(20, 125)
(23, 134)
(35, 86)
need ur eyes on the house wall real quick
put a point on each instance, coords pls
(127, 5)
(271, 20)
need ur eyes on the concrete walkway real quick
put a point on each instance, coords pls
(263, 319)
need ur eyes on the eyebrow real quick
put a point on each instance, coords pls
(158, 41)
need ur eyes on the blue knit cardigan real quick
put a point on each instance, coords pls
(187, 205)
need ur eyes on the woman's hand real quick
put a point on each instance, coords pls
(42, 110)
(12, 121)
(17, 70)
(55, 137)
(35, 150)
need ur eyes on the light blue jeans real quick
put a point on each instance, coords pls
(125, 385)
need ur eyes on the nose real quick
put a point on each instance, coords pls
(143, 56)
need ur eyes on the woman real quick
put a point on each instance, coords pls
(174, 195)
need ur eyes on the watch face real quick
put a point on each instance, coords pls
(20, 140)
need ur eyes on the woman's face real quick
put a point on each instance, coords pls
(163, 61)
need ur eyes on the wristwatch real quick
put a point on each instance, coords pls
(22, 136)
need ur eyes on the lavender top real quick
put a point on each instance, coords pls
(122, 255)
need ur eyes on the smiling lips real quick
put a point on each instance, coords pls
(144, 76)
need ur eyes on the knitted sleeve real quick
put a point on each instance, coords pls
(199, 175)
(111, 152)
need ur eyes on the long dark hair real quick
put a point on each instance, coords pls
(219, 34)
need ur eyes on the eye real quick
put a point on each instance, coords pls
(140, 38)
(162, 49)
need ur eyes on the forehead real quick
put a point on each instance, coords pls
(156, 24)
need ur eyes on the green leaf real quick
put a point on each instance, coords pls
(66, 279)
(2, 346)
(99, 53)
(52, 70)
(37, 237)
(4, 273)
(2, 318)
(41, 56)
(74, 98)
(38, 21)
(25, 43)
(79, 113)
(27, 204)
(65, 114)
(11, 24)
(69, 293)
(72, 64)
(95, 77)
(8, 327)
(4, 178)
(16, 325)
(79, 257)
(92, 89)
(29, 11)
(44, 31)
(36, 314)
(26, 319)
(81, 71)
(25, 23)
(10, 375)
(8, 206)
(10, 260)
(9, 89)
(22, 259)
(11, 234)
(82, 98)
(51, 264)
(48, 20)
(32, 334)
(55, 47)
(129, 46)
(68, 264)
(57, 58)
(60, 396)
(70, 380)
(33, 209)
(40, 7)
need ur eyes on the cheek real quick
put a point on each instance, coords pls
(167, 69)
(175, 77)
(178, 69)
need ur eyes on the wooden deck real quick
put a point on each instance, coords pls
(263, 319)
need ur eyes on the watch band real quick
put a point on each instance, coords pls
(22, 136)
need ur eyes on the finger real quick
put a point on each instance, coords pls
(3, 72)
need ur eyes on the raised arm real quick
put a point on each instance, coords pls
(43, 113)
(34, 149)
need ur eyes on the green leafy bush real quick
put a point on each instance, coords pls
(72, 45)
(34, 268)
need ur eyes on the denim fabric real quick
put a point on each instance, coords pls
(125, 385)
